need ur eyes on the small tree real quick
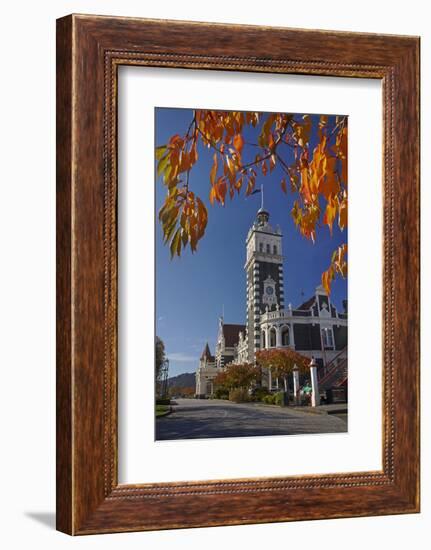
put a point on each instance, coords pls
(174, 390)
(238, 376)
(281, 362)
(159, 361)
(188, 391)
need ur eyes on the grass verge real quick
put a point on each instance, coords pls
(162, 410)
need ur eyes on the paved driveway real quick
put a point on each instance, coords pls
(203, 418)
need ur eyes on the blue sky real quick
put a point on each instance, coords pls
(191, 291)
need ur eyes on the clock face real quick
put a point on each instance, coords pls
(269, 290)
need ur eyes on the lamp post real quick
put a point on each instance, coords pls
(296, 384)
(315, 396)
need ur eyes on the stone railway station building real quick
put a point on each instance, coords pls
(315, 328)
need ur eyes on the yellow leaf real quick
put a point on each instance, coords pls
(162, 165)
(175, 246)
(160, 151)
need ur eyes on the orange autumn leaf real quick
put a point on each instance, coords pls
(330, 213)
(342, 214)
(213, 172)
(305, 184)
(338, 265)
(213, 194)
(317, 177)
(250, 185)
(238, 142)
(271, 163)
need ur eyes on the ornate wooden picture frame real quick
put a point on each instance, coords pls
(89, 51)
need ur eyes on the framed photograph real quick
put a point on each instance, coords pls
(232, 347)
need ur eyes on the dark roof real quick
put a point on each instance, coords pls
(308, 303)
(231, 334)
(206, 353)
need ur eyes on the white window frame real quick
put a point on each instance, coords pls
(325, 332)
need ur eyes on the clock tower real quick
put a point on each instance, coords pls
(264, 271)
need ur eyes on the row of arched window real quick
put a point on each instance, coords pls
(271, 335)
(268, 248)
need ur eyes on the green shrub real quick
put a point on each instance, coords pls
(163, 401)
(279, 399)
(239, 395)
(259, 394)
(221, 393)
(161, 410)
(269, 399)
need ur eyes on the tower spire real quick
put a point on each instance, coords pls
(262, 214)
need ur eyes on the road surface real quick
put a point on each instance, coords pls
(203, 418)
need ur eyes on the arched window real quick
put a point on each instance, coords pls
(272, 338)
(275, 249)
(268, 249)
(285, 336)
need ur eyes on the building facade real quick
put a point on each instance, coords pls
(315, 328)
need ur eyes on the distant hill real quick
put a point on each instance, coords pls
(185, 380)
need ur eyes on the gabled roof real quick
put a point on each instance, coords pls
(231, 334)
(207, 353)
(306, 305)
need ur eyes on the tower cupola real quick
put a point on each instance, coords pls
(262, 217)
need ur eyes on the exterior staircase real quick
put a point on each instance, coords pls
(334, 374)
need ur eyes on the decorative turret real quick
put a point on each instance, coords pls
(262, 217)
(262, 214)
(206, 354)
